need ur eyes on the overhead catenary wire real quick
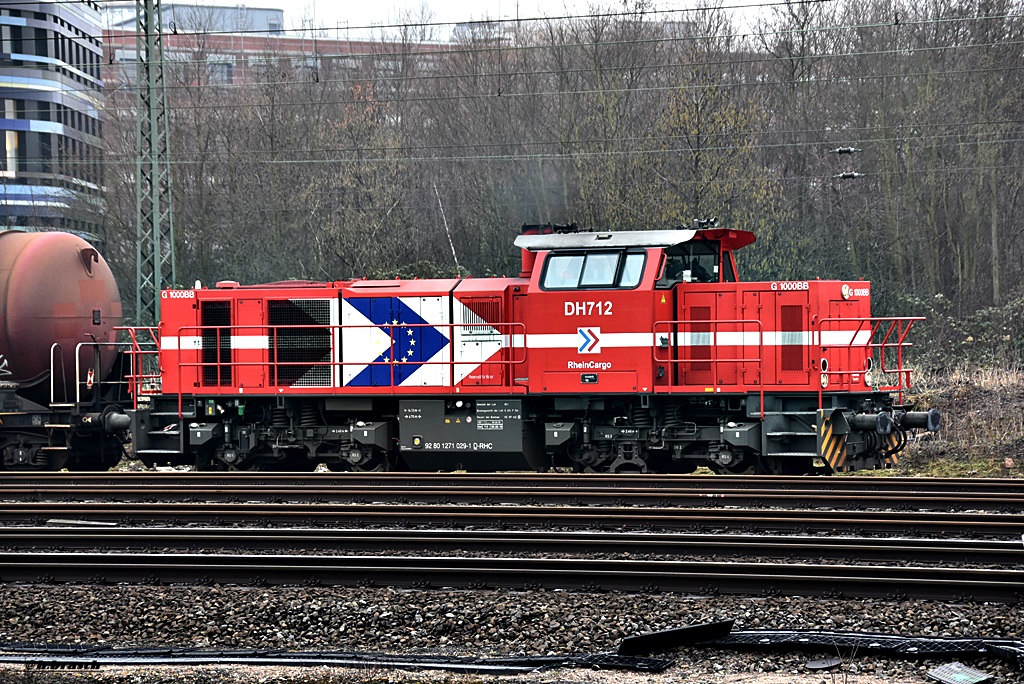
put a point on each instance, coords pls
(456, 48)
(646, 11)
(648, 139)
(114, 159)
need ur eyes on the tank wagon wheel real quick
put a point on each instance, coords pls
(92, 454)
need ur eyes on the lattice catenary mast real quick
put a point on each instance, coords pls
(154, 265)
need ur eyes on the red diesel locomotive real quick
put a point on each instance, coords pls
(611, 352)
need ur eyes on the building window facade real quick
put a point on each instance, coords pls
(50, 101)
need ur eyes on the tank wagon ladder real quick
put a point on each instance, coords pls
(86, 430)
(58, 433)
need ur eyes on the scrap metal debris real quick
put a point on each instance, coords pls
(75, 656)
(720, 635)
(958, 673)
(669, 639)
(824, 664)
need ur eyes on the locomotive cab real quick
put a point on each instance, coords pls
(647, 352)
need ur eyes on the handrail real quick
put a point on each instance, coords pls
(714, 343)
(887, 327)
(139, 353)
(512, 336)
(56, 347)
(96, 381)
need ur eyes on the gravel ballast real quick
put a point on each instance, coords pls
(478, 623)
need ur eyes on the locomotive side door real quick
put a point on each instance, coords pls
(752, 350)
(696, 336)
(249, 344)
(714, 337)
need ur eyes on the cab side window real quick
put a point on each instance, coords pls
(690, 262)
(599, 270)
(563, 272)
(632, 270)
(593, 270)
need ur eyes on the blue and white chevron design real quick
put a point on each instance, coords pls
(388, 341)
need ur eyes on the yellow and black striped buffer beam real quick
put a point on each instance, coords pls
(832, 431)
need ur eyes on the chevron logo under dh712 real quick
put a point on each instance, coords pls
(590, 340)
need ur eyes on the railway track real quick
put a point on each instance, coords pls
(552, 489)
(996, 553)
(588, 574)
(498, 516)
(530, 480)
(699, 535)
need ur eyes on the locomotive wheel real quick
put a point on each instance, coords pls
(377, 463)
(741, 468)
(748, 464)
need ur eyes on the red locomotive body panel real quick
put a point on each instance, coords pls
(742, 337)
(348, 338)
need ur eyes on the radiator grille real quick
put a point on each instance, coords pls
(300, 357)
(792, 345)
(480, 312)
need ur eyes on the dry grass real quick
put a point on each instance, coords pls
(982, 431)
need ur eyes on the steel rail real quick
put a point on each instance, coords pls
(540, 517)
(531, 480)
(347, 493)
(632, 575)
(620, 491)
(953, 551)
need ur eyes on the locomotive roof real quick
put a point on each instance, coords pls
(635, 238)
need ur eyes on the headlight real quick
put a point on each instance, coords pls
(824, 380)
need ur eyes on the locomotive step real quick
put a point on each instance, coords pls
(62, 406)
(157, 451)
(57, 425)
(792, 453)
(187, 414)
(164, 433)
(55, 448)
(792, 434)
